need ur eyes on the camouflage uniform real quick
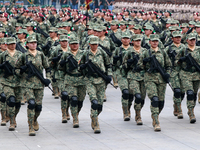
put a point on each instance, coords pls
(175, 76)
(95, 84)
(190, 77)
(154, 83)
(126, 98)
(135, 81)
(74, 84)
(11, 86)
(34, 87)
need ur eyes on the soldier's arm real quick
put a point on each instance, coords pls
(107, 63)
(45, 64)
(140, 61)
(112, 45)
(168, 64)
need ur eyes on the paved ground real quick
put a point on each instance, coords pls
(116, 134)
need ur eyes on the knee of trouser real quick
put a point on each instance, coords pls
(190, 95)
(38, 108)
(18, 105)
(125, 94)
(177, 93)
(130, 97)
(3, 97)
(154, 101)
(138, 98)
(11, 101)
(80, 104)
(100, 107)
(161, 104)
(64, 95)
(74, 101)
(94, 104)
(182, 96)
(31, 104)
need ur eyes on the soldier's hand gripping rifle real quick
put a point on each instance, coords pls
(92, 69)
(33, 71)
(72, 63)
(9, 70)
(115, 39)
(156, 28)
(155, 65)
(46, 48)
(172, 54)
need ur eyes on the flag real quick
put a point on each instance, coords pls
(87, 4)
(31, 1)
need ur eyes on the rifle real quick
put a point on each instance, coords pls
(144, 44)
(191, 62)
(115, 39)
(155, 65)
(137, 21)
(106, 50)
(163, 21)
(73, 64)
(8, 69)
(93, 69)
(39, 30)
(20, 48)
(156, 28)
(172, 54)
(135, 61)
(46, 48)
(169, 42)
(163, 37)
(33, 71)
(190, 30)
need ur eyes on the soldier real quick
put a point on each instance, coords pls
(95, 84)
(74, 82)
(34, 86)
(184, 28)
(58, 78)
(189, 75)
(135, 77)
(175, 80)
(155, 84)
(11, 82)
(118, 56)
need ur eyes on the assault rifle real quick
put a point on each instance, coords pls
(172, 54)
(20, 48)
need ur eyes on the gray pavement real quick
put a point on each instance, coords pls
(115, 133)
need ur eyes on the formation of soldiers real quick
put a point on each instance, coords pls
(83, 51)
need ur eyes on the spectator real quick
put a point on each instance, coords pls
(54, 3)
(74, 4)
(110, 4)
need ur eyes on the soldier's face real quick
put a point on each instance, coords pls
(148, 32)
(126, 41)
(191, 42)
(93, 47)
(74, 47)
(198, 29)
(90, 32)
(119, 17)
(154, 44)
(3, 47)
(32, 45)
(52, 34)
(137, 43)
(184, 30)
(64, 44)
(177, 40)
(123, 27)
(137, 31)
(21, 36)
(11, 46)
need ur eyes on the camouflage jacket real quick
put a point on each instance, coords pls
(13, 80)
(162, 58)
(107, 43)
(40, 62)
(74, 77)
(100, 59)
(131, 73)
(176, 68)
(189, 73)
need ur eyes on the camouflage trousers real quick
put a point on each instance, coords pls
(9, 92)
(37, 95)
(194, 86)
(158, 90)
(96, 92)
(55, 86)
(137, 87)
(123, 84)
(176, 83)
(78, 91)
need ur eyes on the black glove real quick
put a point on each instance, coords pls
(130, 62)
(182, 59)
(137, 69)
(47, 82)
(146, 60)
(115, 59)
(1, 66)
(108, 79)
(83, 66)
(23, 69)
(62, 63)
(166, 77)
(55, 59)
